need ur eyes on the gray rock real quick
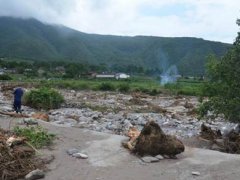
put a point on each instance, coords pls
(85, 119)
(220, 142)
(96, 115)
(80, 155)
(36, 174)
(149, 159)
(141, 121)
(6, 108)
(30, 121)
(99, 129)
(160, 157)
(127, 124)
(54, 113)
(70, 121)
(111, 126)
(196, 173)
(237, 128)
(142, 163)
(215, 147)
(88, 114)
(72, 151)
(47, 159)
(59, 122)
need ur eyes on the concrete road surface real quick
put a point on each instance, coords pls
(109, 161)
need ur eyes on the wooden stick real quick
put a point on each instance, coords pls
(12, 114)
(28, 143)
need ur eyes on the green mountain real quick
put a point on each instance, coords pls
(34, 40)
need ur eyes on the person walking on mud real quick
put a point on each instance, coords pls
(18, 93)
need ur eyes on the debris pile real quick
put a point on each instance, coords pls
(229, 142)
(42, 116)
(133, 134)
(16, 158)
(153, 141)
(209, 134)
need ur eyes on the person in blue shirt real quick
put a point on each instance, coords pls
(18, 93)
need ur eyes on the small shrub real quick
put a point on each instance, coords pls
(154, 92)
(43, 98)
(5, 77)
(143, 90)
(36, 136)
(106, 87)
(83, 86)
(203, 109)
(124, 87)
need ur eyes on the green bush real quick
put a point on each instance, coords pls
(106, 87)
(154, 92)
(36, 136)
(5, 77)
(143, 90)
(223, 88)
(43, 98)
(124, 87)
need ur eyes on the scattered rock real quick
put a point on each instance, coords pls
(215, 147)
(188, 105)
(36, 174)
(196, 173)
(47, 159)
(76, 153)
(72, 151)
(42, 116)
(149, 159)
(219, 142)
(30, 121)
(80, 155)
(160, 157)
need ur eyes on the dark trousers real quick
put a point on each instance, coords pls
(17, 106)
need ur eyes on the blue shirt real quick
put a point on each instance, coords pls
(18, 94)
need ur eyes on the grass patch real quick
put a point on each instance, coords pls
(95, 107)
(124, 87)
(145, 85)
(106, 86)
(185, 88)
(5, 77)
(36, 136)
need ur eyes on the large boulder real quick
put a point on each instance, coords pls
(153, 141)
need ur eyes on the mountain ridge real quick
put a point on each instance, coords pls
(32, 39)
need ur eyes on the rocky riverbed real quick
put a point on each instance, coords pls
(114, 113)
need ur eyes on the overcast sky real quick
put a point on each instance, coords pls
(208, 19)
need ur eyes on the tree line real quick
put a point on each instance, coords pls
(67, 69)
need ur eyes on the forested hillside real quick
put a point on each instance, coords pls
(34, 40)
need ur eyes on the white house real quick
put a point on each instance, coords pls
(122, 76)
(105, 76)
(1, 71)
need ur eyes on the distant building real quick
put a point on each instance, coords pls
(40, 71)
(28, 70)
(10, 71)
(122, 76)
(60, 69)
(105, 76)
(1, 71)
(112, 76)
